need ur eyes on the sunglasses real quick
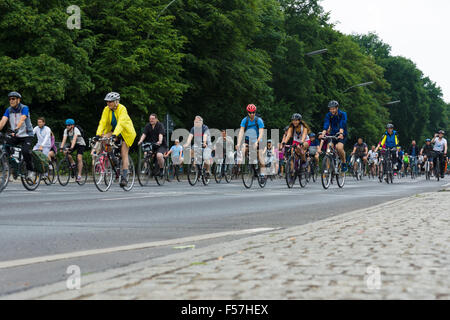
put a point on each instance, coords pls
(251, 112)
(12, 99)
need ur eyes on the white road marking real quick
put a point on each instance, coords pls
(78, 254)
(446, 185)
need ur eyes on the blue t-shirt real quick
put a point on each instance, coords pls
(176, 150)
(336, 122)
(252, 132)
(314, 143)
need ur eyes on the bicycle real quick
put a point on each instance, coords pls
(372, 169)
(386, 167)
(294, 169)
(313, 169)
(65, 170)
(413, 167)
(438, 157)
(107, 164)
(332, 164)
(12, 162)
(359, 172)
(173, 170)
(251, 171)
(221, 169)
(427, 168)
(148, 166)
(196, 169)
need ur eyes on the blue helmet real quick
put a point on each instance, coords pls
(428, 140)
(70, 122)
(311, 135)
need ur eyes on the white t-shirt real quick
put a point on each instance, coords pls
(439, 145)
(44, 136)
(74, 132)
(373, 155)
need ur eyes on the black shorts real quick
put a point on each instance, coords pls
(161, 149)
(79, 149)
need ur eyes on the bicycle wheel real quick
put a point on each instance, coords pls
(160, 180)
(290, 172)
(437, 169)
(64, 172)
(144, 170)
(131, 176)
(192, 173)
(4, 172)
(30, 185)
(340, 176)
(216, 169)
(327, 168)
(171, 172)
(84, 174)
(228, 172)
(262, 181)
(247, 174)
(49, 177)
(205, 176)
(103, 173)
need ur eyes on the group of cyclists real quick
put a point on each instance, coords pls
(298, 142)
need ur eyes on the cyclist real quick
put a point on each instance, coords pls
(154, 133)
(440, 147)
(77, 144)
(360, 150)
(298, 130)
(176, 151)
(223, 148)
(115, 122)
(269, 155)
(336, 122)
(390, 140)
(45, 139)
(413, 152)
(18, 116)
(399, 164)
(202, 140)
(405, 163)
(373, 160)
(427, 152)
(313, 148)
(252, 127)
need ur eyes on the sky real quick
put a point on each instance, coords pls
(416, 29)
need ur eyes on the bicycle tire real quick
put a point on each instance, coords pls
(131, 176)
(4, 172)
(84, 174)
(247, 175)
(64, 172)
(192, 174)
(160, 180)
(327, 170)
(217, 170)
(29, 185)
(228, 173)
(49, 178)
(340, 176)
(143, 171)
(290, 173)
(102, 173)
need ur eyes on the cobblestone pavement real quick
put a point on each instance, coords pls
(397, 250)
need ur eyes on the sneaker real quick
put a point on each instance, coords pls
(123, 182)
(78, 179)
(31, 176)
(344, 167)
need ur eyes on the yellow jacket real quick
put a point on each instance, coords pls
(124, 124)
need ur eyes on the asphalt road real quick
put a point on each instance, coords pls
(62, 220)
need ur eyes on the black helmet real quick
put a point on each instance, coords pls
(389, 126)
(333, 104)
(296, 116)
(14, 94)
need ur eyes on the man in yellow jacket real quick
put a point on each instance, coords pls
(116, 122)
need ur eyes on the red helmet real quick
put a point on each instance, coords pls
(251, 108)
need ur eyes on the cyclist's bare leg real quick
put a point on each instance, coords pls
(340, 150)
(80, 164)
(160, 158)
(124, 153)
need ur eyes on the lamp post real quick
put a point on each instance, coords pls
(392, 102)
(365, 84)
(314, 53)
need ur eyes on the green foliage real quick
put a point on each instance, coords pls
(212, 58)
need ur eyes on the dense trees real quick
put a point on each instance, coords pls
(210, 58)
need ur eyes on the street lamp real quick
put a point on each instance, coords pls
(313, 53)
(392, 102)
(165, 8)
(365, 84)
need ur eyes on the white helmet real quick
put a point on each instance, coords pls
(112, 96)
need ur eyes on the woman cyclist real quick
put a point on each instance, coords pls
(299, 131)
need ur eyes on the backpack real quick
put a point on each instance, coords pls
(81, 129)
(40, 161)
(256, 122)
